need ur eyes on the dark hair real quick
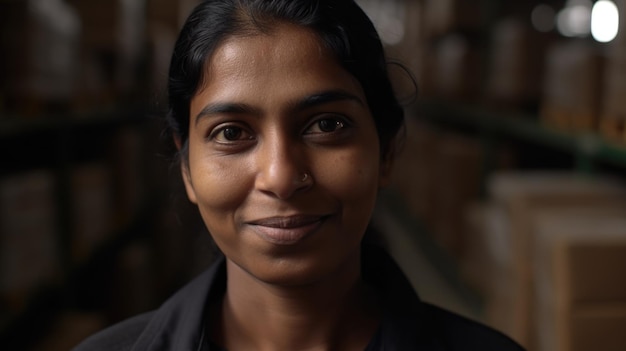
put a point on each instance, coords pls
(341, 26)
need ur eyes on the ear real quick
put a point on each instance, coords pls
(191, 191)
(177, 142)
(184, 171)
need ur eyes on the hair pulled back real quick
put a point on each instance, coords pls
(341, 26)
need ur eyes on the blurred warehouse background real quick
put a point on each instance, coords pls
(508, 202)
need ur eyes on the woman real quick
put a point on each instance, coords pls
(285, 120)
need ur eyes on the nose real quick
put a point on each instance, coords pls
(281, 168)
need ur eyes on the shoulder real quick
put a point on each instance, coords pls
(119, 337)
(412, 324)
(175, 325)
(460, 333)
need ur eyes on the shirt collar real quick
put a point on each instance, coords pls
(179, 323)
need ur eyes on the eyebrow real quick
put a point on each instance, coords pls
(308, 102)
(224, 108)
(326, 97)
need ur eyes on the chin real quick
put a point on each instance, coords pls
(300, 271)
(289, 272)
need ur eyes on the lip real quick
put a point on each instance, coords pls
(287, 230)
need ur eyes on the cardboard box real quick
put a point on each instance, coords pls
(113, 40)
(445, 16)
(458, 166)
(110, 24)
(453, 69)
(573, 87)
(413, 176)
(615, 87)
(593, 268)
(438, 175)
(13, 19)
(578, 261)
(134, 289)
(613, 114)
(128, 170)
(39, 44)
(516, 65)
(171, 13)
(521, 196)
(488, 249)
(92, 209)
(29, 237)
(596, 327)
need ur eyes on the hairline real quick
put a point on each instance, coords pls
(254, 29)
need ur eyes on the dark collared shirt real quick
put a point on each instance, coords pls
(408, 323)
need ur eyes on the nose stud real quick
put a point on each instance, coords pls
(305, 177)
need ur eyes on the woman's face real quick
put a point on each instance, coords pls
(273, 108)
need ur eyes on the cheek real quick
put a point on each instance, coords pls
(353, 176)
(219, 183)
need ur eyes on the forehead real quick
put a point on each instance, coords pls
(285, 63)
(282, 42)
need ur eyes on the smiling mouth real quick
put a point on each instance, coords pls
(287, 230)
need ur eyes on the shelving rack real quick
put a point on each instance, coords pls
(59, 142)
(588, 149)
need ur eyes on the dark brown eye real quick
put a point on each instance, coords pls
(232, 133)
(229, 134)
(329, 125)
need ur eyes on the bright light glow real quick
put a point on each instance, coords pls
(604, 21)
(542, 18)
(575, 19)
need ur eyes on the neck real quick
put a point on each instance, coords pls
(337, 313)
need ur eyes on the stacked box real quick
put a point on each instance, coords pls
(516, 62)
(450, 62)
(127, 169)
(100, 22)
(613, 118)
(92, 209)
(437, 175)
(597, 320)
(519, 196)
(112, 43)
(171, 13)
(572, 92)
(487, 249)
(134, 282)
(452, 69)
(457, 173)
(445, 16)
(13, 18)
(579, 259)
(29, 239)
(165, 18)
(412, 175)
(600, 325)
(39, 42)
